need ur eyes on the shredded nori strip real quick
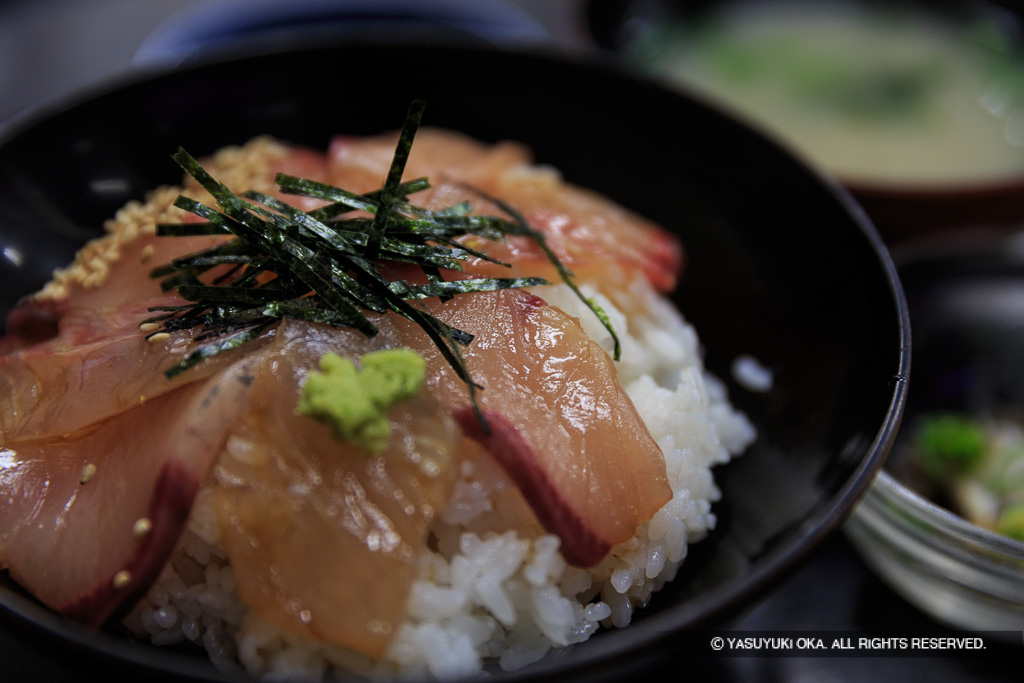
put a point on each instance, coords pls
(322, 265)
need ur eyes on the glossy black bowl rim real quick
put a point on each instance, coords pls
(964, 255)
(640, 635)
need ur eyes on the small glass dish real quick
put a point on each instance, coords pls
(965, 293)
(958, 573)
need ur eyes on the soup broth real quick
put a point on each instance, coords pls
(871, 94)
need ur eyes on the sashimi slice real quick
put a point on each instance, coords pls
(324, 539)
(74, 354)
(559, 421)
(89, 520)
(89, 422)
(585, 230)
(97, 362)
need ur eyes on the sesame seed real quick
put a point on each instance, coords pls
(146, 328)
(122, 579)
(88, 472)
(97, 264)
(147, 252)
(142, 527)
(159, 338)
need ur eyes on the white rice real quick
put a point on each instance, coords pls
(488, 598)
(751, 374)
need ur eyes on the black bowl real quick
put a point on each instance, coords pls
(781, 265)
(965, 293)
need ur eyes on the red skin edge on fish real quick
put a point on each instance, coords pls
(665, 262)
(580, 546)
(31, 322)
(173, 495)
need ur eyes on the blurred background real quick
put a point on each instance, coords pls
(49, 48)
(917, 107)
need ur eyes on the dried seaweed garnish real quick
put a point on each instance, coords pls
(323, 265)
(527, 230)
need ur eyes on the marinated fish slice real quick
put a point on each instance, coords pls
(324, 538)
(99, 365)
(286, 484)
(74, 354)
(89, 520)
(586, 231)
(561, 424)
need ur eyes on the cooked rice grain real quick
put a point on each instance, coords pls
(489, 597)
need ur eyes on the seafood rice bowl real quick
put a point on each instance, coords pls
(512, 506)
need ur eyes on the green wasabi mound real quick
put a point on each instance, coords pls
(355, 401)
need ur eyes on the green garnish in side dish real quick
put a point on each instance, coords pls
(950, 445)
(355, 402)
(322, 265)
(1011, 522)
(979, 465)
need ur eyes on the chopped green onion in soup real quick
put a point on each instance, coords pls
(871, 93)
